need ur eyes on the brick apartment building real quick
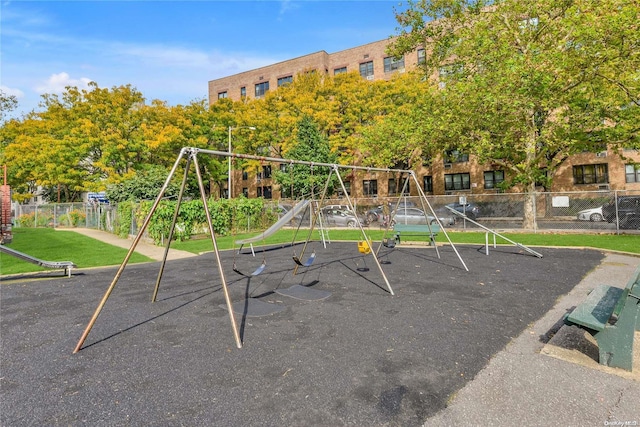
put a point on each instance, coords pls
(456, 173)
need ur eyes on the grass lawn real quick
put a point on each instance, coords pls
(51, 245)
(624, 242)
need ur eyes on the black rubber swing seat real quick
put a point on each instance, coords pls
(389, 243)
(307, 263)
(257, 271)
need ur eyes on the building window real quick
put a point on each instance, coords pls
(265, 192)
(395, 186)
(245, 192)
(632, 173)
(243, 92)
(455, 156)
(391, 64)
(448, 71)
(591, 174)
(493, 178)
(370, 187)
(222, 95)
(347, 186)
(340, 70)
(392, 187)
(245, 175)
(366, 69)
(284, 80)
(457, 181)
(261, 89)
(422, 56)
(427, 183)
(266, 171)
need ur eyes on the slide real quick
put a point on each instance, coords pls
(299, 207)
(58, 265)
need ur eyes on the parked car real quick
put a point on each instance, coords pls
(377, 213)
(338, 207)
(417, 216)
(341, 218)
(630, 221)
(283, 209)
(627, 206)
(593, 214)
(472, 211)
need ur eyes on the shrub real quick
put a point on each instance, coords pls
(26, 220)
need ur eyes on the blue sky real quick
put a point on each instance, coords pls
(169, 50)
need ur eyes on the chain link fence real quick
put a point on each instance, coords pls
(88, 215)
(593, 212)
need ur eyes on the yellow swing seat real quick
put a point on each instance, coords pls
(364, 247)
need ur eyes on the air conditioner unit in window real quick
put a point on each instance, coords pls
(603, 187)
(447, 165)
(370, 77)
(601, 154)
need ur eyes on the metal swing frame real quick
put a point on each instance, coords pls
(190, 154)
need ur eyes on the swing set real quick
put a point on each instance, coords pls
(190, 154)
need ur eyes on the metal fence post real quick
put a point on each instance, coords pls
(535, 211)
(615, 203)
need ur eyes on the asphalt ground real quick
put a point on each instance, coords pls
(360, 357)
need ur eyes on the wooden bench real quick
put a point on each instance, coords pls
(430, 231)
(611, 315)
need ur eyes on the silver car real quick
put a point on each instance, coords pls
(406, 215)
(340, 218)
(593, 215)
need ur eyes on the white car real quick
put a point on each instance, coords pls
(593, 215)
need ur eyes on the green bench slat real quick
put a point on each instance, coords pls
(595, 311)
(633, 287)
(604, 304)
(416, 228)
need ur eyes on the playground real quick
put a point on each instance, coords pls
(312, 333)
(346, 353)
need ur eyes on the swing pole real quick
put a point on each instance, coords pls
(315, 216)
(375, 257)
(394, 210)
(423, 198)
(215, 248)
(124, 263)
(292, 161)
(172, 229)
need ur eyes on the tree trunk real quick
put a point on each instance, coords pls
(529, 219)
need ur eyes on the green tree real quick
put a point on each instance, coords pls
(145, 185)
(524, 85)
(302, 180)
(8, 103)
(40, 153)
(84, 140)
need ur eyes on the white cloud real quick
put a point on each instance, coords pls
(11, 91)
(286, 6)
(58, 82)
